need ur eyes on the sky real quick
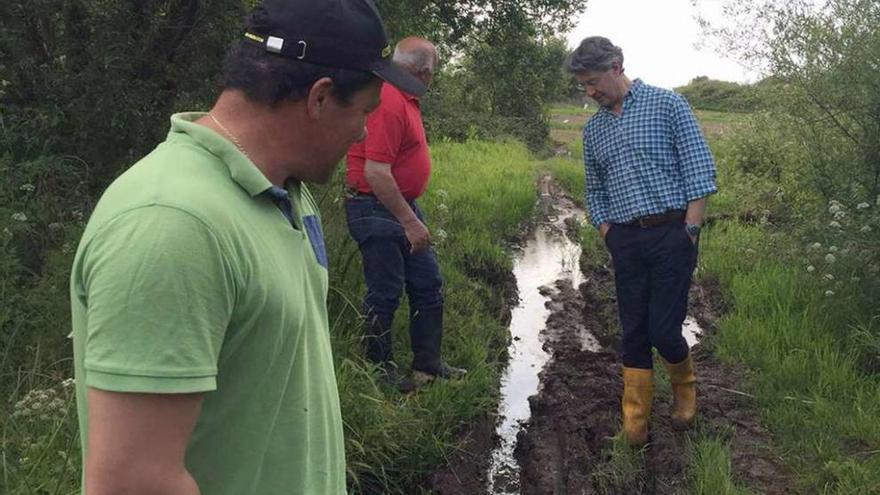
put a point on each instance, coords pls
(659, 39)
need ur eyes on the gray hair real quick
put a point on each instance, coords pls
(595, 53)
(417, 59)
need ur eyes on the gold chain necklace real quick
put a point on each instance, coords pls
(231, 135)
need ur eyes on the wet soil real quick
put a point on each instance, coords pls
(567, 446)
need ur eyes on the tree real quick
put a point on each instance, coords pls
(825, 61)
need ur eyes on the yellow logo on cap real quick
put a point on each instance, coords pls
(386, 52)
(254, 37)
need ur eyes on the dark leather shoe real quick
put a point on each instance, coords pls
(392, 376)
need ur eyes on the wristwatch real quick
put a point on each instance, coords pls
(692, 229)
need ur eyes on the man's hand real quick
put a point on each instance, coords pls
(417, 235)
(603, 229)
(381, 181)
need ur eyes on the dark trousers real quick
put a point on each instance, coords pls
(653, 268)
(389, 267)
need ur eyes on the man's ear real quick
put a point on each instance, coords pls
(318, 97)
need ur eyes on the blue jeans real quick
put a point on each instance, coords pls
(389, 267)
(652, 273)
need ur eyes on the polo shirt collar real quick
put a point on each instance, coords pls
(403, 93)
(241, 168)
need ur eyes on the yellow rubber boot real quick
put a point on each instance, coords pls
(684, 393)
(638, 397)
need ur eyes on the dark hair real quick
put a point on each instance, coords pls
(595, 53)
(269, 79)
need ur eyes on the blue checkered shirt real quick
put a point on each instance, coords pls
(651, 159)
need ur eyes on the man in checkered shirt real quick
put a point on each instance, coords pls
(648, 173)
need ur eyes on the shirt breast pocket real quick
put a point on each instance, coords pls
(606, 151)
(316, 238)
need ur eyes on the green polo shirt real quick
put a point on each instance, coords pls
(189, 278)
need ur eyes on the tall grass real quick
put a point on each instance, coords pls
(812, 393)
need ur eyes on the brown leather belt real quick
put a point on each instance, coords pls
(657, 219)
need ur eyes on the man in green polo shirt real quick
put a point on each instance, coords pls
(201, 345)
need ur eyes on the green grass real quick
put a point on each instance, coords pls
(710, 469)
(822, 409)
(713, 117)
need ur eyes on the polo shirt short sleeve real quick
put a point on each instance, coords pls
(160, 295)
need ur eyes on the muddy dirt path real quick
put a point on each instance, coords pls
(564, 441)
(566, 446)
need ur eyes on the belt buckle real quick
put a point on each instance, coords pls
(644, 222)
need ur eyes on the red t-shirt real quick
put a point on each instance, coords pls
(395, 135)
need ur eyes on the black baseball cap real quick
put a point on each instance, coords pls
(344, 34)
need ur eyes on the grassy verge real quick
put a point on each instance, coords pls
(822, 408)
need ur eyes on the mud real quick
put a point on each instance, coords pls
(567, 447)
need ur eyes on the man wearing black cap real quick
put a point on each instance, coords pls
(386, 173)
(201, 340)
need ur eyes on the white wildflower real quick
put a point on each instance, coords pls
(865, 229)
(862, 206)
(28, 188)
(829, 293)
(833, 249)
(829, 277)
(840, 215)
(442, 193)
(816, 245)
(750, 251)
(834, 225)
(830, 258)
(440, 236)
(19, 216)
(811, 269)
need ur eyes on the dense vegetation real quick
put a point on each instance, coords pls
(710, 94)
